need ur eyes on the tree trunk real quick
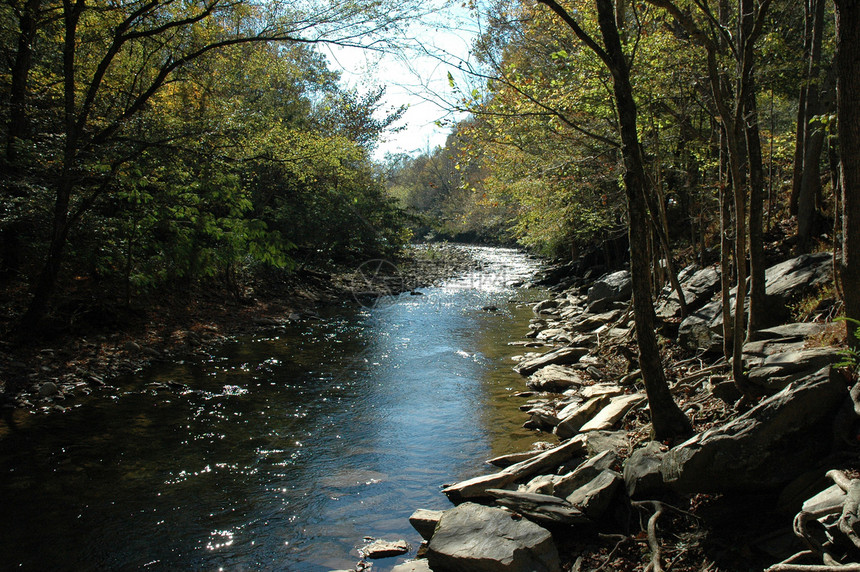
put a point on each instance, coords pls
(800, 133)
(668, 421)
(756, 183)
(19, 88)
(810, 180)
(848, 94)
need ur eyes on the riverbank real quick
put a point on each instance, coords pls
(48, 373)
(607, 497)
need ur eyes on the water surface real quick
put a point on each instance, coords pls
(278, 452)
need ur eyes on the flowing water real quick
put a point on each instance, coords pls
(279, 452)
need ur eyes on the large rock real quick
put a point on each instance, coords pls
(696, 331)
(784, 282)
(476, 538)
(425, 521)
(768, 446)
(698, 286)
(556, 378)
(595, 497)
(561, 356)
(614, 287)
(642, 475)
(778, 370)
(793, 278)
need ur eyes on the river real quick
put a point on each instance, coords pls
(277, 452)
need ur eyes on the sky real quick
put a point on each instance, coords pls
(414, 78)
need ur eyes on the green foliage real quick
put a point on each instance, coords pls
(249, 153)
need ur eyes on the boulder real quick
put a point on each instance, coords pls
(642, 475)
(787, 281)
(591, 322)
(768, 446)
(595, 497)
(556, 379)
(696, 331)
(698, 285)
(385, 549)
(561, 356)
(545, 306)
(476, 538)
(613, 287)
(425, 521)
(778, 370)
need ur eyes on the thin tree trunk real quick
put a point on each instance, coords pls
(668, 421)
(19, 88)
(810, 180)
(756, 183)
(801, 127)
(848, 94)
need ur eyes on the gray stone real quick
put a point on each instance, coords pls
(756, 352)
(603, 440)
(596, 496)
(425, 521)
(590, 322)
(642, 475)
(561, 356)
(572, 420)
(421, 565)
(778, 370)
(614, 287)
(564, 485)
(546, 306)
(698, 286)
(48, 389)
(696, 332)
(547, 461)
(799, 330)
(385, 548)
(768, 446)
(609, 389)
(539, 508)
(556, 378)
(614, 411)
(476, 538)
(788, 280)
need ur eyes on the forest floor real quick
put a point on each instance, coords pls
(91, 339)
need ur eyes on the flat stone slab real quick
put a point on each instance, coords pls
(612, 413)
(573, 417)
(546, 461)
(421, 565)
(561, 356)
(385, 548)
(556, 378)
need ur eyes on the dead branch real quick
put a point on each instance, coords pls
(653, 542)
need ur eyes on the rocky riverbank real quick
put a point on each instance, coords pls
(49, 374)
(767, 486)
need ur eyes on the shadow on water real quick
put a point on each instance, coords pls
(277, 452)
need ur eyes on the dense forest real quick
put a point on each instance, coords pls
(152, 147)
